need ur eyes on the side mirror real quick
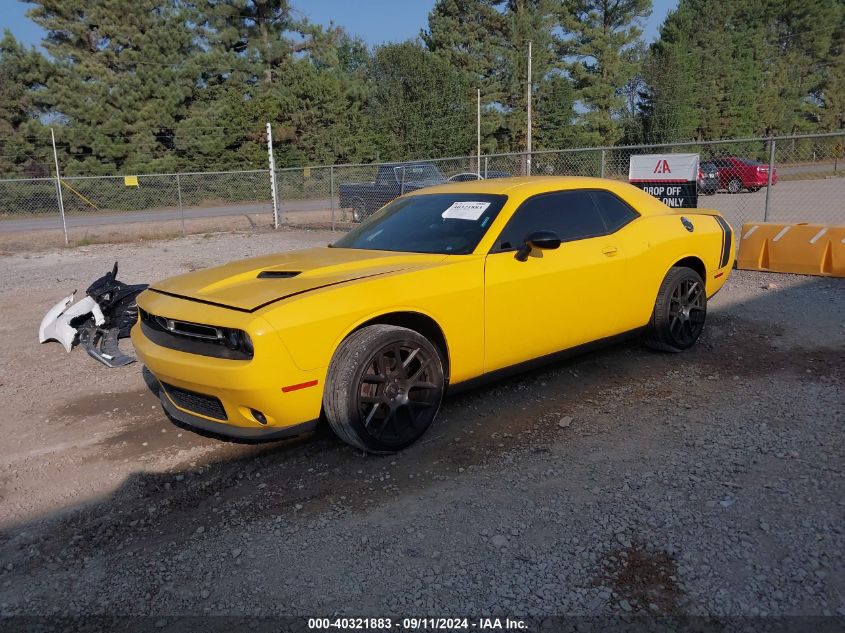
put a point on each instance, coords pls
(542, 240)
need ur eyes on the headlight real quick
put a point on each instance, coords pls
(238, 340)
(247, 343)
(232, 338)
(205, 339)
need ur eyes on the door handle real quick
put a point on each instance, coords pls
(610, 251)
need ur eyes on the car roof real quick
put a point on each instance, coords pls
(521, 187)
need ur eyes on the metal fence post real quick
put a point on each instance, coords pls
(272, 162)
(485, 166)
(402, 184)
(331, 191)
(181, 210)
(602, 163)
(769, 179)
(59, 186)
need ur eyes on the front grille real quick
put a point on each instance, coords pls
(196, 402)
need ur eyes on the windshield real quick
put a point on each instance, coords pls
(446, 223)
(415, 173)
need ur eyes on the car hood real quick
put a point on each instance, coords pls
(251, 284)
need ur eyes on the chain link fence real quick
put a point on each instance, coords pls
(790, 178)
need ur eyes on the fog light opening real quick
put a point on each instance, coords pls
(259, 417)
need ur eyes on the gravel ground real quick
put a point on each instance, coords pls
(623, 481)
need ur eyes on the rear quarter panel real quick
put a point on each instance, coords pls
(654, 244)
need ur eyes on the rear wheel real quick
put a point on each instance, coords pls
(359, 210)
(679, 312)
(384, 388)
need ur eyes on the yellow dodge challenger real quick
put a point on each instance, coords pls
(440, 288)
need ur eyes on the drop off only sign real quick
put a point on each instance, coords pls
(671, 178)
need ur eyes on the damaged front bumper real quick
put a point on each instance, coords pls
(81, 322)
(57, 324)
(104, 315)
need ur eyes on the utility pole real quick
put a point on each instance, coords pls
(59, 185)
(272, 162)
(478, 135)
(528, 135)
(769, 179)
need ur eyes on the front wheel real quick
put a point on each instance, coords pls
(735, 186)
(679, 312)
(384, 388)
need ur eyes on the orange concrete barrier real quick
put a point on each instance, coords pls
(807, 249)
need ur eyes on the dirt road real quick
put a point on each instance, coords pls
(624, 481)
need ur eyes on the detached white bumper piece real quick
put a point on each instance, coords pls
(56, 324)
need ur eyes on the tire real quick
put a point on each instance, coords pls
(754, 189)
(679, 312)
(735, 185)
(373, 403)
(359, 210)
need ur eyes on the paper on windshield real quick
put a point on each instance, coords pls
(465, 210)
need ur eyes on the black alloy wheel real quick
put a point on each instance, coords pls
(397, 395)
(687, 310)
(384, 388)
(679, 312)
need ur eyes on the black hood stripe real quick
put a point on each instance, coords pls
(272, 301)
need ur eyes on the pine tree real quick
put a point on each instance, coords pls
(555, 114)
(23, 139)
(420, 105)
(596, 36)
(121, 79)
(470, 35)
(488, 41)
(831, 94)
(751, 67)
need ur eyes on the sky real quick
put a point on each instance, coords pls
(376, 21)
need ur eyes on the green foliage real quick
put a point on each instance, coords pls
(23, 151)
(745, 68)
(555, 115)
(419, 104)
(122, 74)
(174, 85)
(487, 40)
(598, 37)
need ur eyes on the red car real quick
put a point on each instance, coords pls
(736, 174)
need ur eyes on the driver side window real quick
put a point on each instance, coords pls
(572, 215)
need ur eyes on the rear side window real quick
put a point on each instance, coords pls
(570, 214)
(616, 212)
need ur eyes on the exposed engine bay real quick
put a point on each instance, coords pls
(106, 313)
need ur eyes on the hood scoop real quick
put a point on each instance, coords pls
(278, 274)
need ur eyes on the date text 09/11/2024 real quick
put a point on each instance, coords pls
(430, 623)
